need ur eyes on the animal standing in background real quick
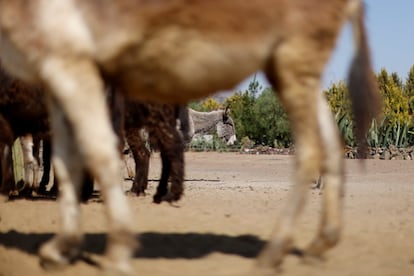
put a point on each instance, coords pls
(24, 112)
(6, 174)
(25, 115)
(171, 52)
(23, 109)
(204, 122)
(159, 121)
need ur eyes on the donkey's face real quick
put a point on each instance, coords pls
(226, 130)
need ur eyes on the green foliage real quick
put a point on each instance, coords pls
(338, 100)
(203, 143)
(246, 143)
(409, 89)
(397, 80)
(396, 125)
(205, 105)
(397, 120)
(260, 116)
(271, 120)
(241, 111)
(257, 114)
(210, 104)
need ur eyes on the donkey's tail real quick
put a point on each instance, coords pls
(363, 89)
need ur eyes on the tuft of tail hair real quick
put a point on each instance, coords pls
(363, 89)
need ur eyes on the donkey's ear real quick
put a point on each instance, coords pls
(227, 110)
(226, 114)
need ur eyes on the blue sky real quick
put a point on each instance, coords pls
(390, 25)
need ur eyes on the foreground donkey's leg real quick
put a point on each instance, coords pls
(332, 171)
(65, 247)
(78, 90)
(296, 73)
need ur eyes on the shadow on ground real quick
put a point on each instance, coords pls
(152, 244)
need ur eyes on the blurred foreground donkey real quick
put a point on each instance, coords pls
(171, 52)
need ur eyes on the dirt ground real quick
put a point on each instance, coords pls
(231, 204)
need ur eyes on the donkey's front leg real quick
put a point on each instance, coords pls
(77, 88)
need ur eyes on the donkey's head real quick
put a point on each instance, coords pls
(225, 128)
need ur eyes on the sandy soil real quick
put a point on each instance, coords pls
(230, 206)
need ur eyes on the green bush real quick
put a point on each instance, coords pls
(395, 127)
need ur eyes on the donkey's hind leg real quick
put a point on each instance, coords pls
(171, 145)
(141, 155)
(177, 166)
(296, 72)
(162, 188)
(332, 171)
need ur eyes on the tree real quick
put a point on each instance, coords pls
(241, 104)
(397, 119)
(205, 105)
(409, 83)
(259, 116)
(393, 128)
(338, 100)
(210, 104)
(397, 80)
(272, 124)
(241, 109)
(409, 89)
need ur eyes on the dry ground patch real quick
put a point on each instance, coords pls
(231, 204)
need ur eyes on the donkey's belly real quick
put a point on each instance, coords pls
(175, 67)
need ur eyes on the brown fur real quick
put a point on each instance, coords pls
(171, 52)
(6, 139)
(23, 110)
(160, 123)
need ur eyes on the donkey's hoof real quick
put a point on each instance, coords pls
(311, 260)
(58, 253)
(273, 253)
(134, 194)
(138, 191)
(176, 193)
(157, 198)
(169, 197)
(52, 259)
(41, 190)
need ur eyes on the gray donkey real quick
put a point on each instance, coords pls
(217, 120)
